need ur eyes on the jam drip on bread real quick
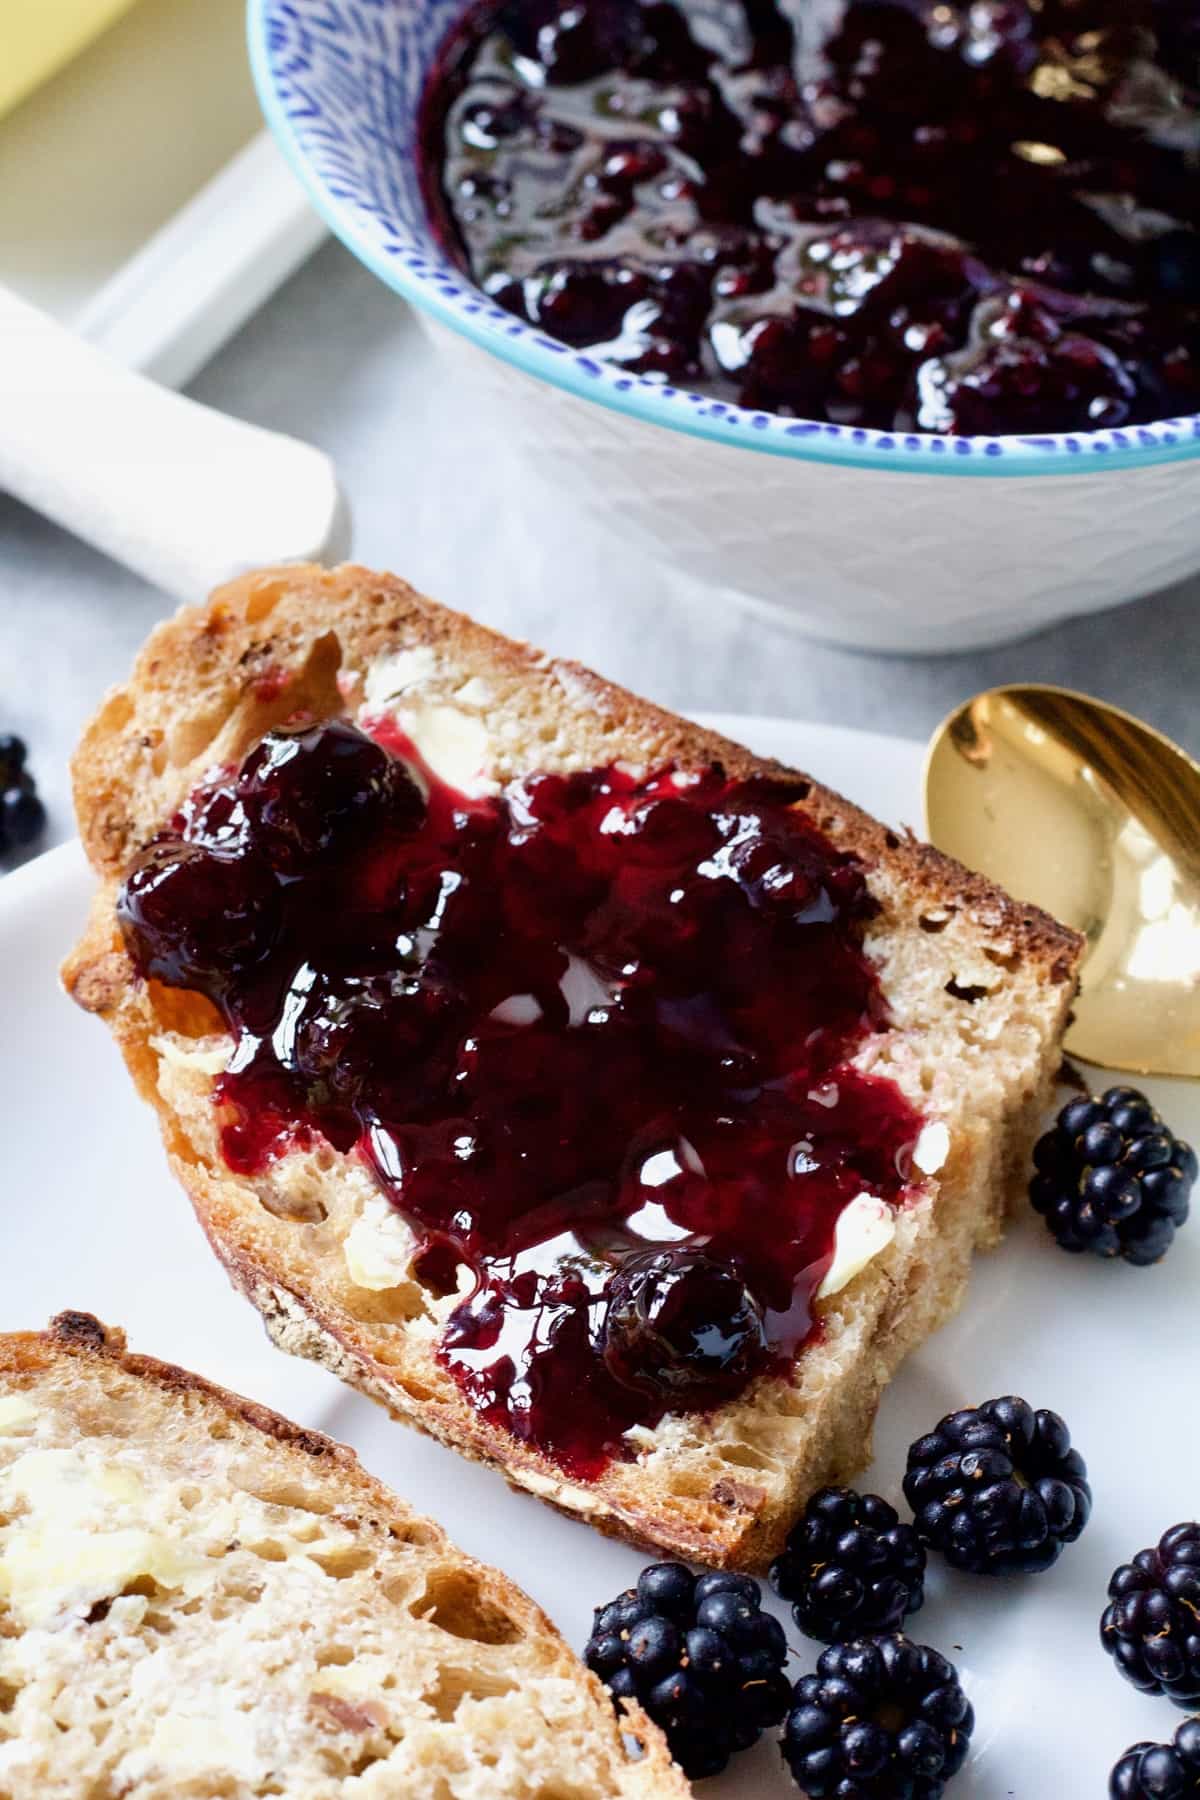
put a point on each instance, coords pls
(591, 1033)
(920, 217)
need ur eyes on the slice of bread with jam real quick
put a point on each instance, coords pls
(613, 1104)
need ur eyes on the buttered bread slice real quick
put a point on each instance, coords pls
(198, 1599)
(611, 1103)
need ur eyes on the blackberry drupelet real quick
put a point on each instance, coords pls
(850, 1568)
(1160, 1771)
(882, 1719)
(1151, 1625)
(22, 814)
(1112, 1179)
(998, 1489)
(701, 1657)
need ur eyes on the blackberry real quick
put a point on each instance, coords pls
(1112, 1179)
(850, 1567)
(22, 815)
(1160, 1771)
(1151, 1625)
(679, 1323)
(997, 1488)
(882, 1719)
(193, 918)
(322, 786)
(702, 1658)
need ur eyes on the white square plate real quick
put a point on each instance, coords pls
(90, 1219)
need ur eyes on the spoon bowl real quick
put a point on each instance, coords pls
(1083, 810)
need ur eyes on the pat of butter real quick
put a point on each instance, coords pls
(63, 1552)
(390, 676)
(15, 1413)
(364, 1678)
(931, 1148)
(50, 1572)
(379, 1247)
(197, 1744)
(179, 1054)
(60, 1485)
(474, 692)
(455, 744)
(563, 1493)
(865, 1227)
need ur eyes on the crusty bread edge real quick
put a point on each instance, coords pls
(1036, 934)
(82, 1335)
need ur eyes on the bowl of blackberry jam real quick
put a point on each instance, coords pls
(811, 259)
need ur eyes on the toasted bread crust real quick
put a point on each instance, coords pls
(83, 1335)
(231, 649)
(208, 683)
(80, 1339)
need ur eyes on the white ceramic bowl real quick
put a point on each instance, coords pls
(865, 538)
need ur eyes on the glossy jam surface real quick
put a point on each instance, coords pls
(590, 1035)
(972, 218)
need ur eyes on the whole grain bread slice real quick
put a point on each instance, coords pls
(978, 989)
(198, 1598)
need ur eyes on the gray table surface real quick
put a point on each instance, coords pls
(337, 359)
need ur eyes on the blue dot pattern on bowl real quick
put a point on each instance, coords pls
(341, 84)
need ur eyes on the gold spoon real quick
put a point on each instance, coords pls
(1085, 811)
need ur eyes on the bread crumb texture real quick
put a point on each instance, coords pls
(197, 1599)
(978, 989)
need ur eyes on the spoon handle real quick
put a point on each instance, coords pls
(183, 495)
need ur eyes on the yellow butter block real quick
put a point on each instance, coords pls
(38, 36)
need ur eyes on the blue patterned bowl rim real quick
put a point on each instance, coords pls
(339, 82)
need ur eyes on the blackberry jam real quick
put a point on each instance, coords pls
(971, 218)
(590, 1035)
